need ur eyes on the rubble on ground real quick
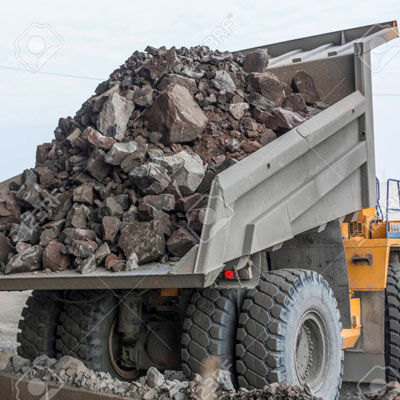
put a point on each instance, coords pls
(125, 181)
(68, 371)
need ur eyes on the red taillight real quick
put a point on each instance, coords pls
(229, 274)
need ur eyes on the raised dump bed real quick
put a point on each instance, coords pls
(320, 171)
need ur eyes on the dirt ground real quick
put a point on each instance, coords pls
(11, 305)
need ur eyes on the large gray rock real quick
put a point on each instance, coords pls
(113, 118)
(154, 377)
(88, 265)
(237, 110)
(102, 252)
(29, 196)
(223, 81)
(28, 261)
(26, 231)
(269, 86)
(150, 178)
(119, 152)
(176, 115)
(256, 61)
(190, 175)
(143, 238)
(70, 365)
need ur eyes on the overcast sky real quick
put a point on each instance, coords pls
(89, 39)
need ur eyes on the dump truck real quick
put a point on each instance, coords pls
(295, 278)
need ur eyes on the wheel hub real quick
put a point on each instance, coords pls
(311, 358)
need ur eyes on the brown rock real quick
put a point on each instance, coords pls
(295, 102)
(195, 219)
(170, 79)
(165, 202)
(304, 83)
(256, 61)
(144, 96)
(42, 152)
(269, 86)
(161, 64)
(114, 263)
(284, 119)
(176, 115)
(96, 165)
(111, 226)
(5, 248)
(78, 234)
(143, 238)
(180, 242)
(9, 211)
(250, 146)
(77, 217)
(112, 208)
(46, 176)
(267, 136)
(195, 200)
(96, 139)
(54, 258)
(84, 194)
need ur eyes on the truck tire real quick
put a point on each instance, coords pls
(392, 323)
(290, 332)
(87, 322)
(39, 325)
(209, 329)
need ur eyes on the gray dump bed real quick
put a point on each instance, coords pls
(318, 172)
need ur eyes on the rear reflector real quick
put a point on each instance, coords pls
(229, 274)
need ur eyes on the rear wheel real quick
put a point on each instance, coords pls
(392, 323)
(39, 325)
(88, 331)
(290, 332)
(209, 330)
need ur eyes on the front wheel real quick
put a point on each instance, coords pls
(290, 332)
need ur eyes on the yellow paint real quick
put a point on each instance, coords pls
(364, 275)
(169, 292)
(350, 336)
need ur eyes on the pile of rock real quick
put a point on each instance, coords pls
(125, 181)
(154, 385)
